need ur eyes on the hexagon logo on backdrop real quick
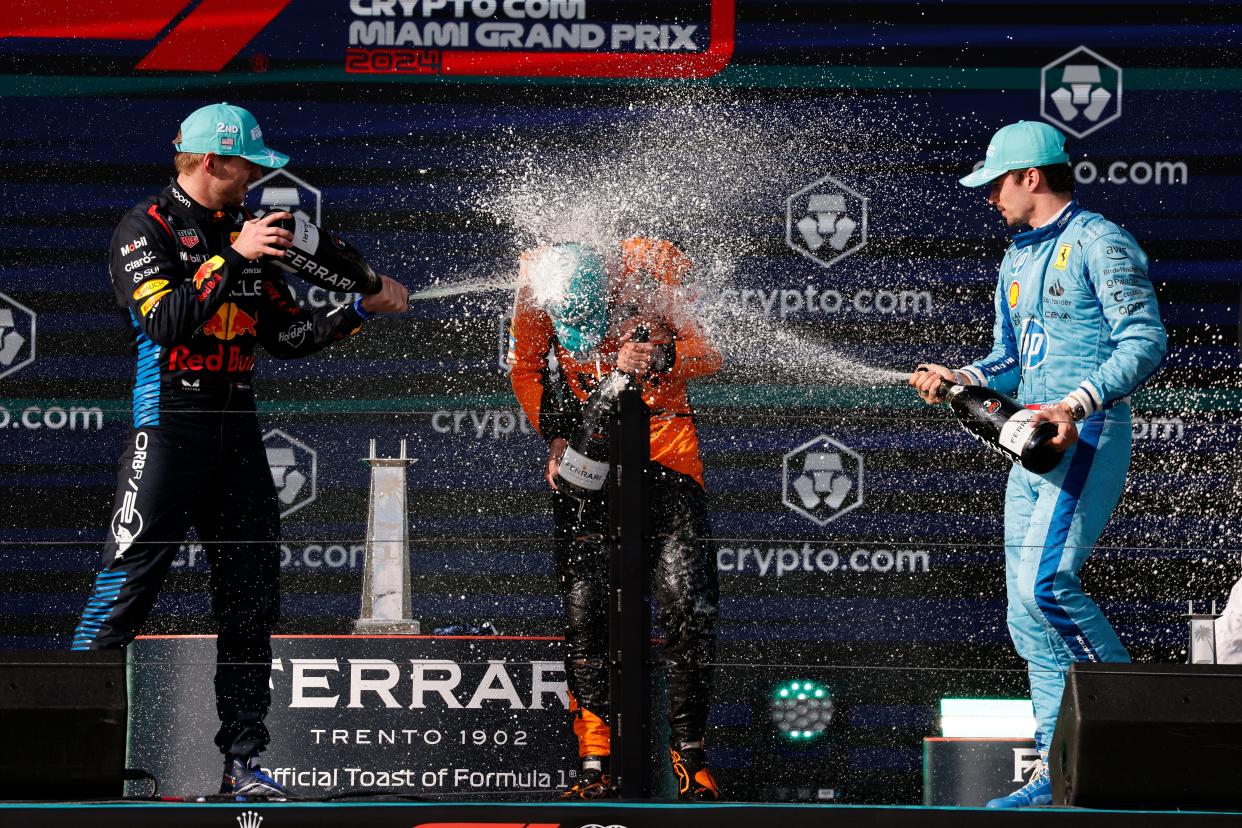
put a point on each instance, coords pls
(17, 335)
(282, 190)
(294, 466)
(1080, 92)
(826, 221)
(823, 480)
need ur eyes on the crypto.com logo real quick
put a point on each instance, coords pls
(294, 466)
(282, 190)
(822, 480)
(826, 221)
(17, 335)
(1080, 92)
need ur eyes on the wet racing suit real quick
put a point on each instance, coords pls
(685, 579)
(194, 455)
(1076, 318)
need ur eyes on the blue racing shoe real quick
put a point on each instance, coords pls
(1037, 791)
(244, 778)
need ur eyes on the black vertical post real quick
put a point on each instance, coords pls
(629, 613)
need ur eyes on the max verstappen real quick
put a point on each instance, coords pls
(192, 271)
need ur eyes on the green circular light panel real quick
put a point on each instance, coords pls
(801, 709)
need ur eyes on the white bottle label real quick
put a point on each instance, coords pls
(305, 240)
(305, 235)
(1016, 431)
(583, 471)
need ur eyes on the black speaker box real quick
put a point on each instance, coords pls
(1149, 736)
(63, 717)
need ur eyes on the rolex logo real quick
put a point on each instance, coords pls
(249, 819)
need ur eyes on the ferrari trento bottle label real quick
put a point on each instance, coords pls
(325, 260)
(583, 471)
(1016, 431)
(584, 468)
(1004, 426)
(305, 235)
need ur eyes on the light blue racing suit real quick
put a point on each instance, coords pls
(1076, 320)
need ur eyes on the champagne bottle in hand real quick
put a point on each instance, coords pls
(326, 260)
(1003, 425)
(584, 468)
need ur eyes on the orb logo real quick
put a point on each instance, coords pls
(823, 480)
(127, 524)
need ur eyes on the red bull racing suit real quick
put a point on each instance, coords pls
(194, 456)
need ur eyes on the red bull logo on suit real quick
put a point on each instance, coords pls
(231, 321)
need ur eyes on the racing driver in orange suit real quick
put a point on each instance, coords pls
(589, 324)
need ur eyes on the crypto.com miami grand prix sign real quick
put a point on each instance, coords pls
(558, 38)
(530, 38)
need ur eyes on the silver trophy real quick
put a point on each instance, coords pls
(386, 576)
(1202, 647)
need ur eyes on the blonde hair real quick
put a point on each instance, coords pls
(186, 162)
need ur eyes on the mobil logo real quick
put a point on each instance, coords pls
(1033, 345)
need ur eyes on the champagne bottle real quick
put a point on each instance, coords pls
(584, 468)
(326, 260)
(1003, 425)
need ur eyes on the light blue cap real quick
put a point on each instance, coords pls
(225, 129)
(1017, 147)
(580, 316)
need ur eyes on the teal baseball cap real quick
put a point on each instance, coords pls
(1017, 147)
(580, 315)
(225, 129)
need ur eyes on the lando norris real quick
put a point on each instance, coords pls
(194, 276)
